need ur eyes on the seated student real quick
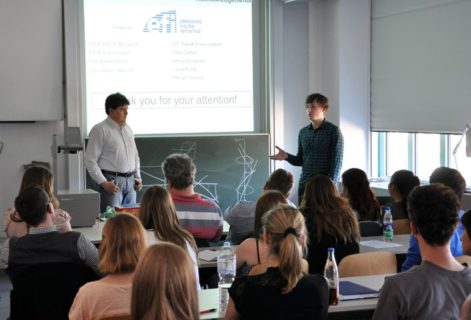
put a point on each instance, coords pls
(278, 289)
(466, 309)
(453, 179)
(123, 243)
(466, 235)
(164, 285)
(43, 244)
(242, 214)
(159, 218)
(201, 217)
(253, 251)
(438, 287)
(400, 186)
(330, 222)
(14, 226)
(356, 188)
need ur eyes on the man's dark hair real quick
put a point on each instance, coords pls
(280, 180)
(31, 205)
(434, 211)
(114, 101)
(319, 99)
(179, 169)
(466, 221)
(451, 178)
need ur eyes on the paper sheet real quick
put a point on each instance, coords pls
(208, 255)
(378, 244)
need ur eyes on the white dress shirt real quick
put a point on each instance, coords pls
(111, 147)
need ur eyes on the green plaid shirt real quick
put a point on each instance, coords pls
(320, 151)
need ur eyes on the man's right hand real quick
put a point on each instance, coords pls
(110, 187)
(281, 155)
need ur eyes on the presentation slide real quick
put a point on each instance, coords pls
(185, 65)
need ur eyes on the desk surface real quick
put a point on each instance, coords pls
(208, 298)
(94, 233)
(399, 245)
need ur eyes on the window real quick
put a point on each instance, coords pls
(418, 152)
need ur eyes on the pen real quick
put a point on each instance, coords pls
(207, 311)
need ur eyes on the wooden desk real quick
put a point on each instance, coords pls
(208, 298)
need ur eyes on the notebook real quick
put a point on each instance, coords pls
(352, 291)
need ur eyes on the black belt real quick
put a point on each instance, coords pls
(119, 174)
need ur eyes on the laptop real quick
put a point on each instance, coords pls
(83, 207)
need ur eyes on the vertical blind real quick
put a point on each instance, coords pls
(421, 65)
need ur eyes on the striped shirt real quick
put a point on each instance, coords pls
(320, 151)
(201, 217)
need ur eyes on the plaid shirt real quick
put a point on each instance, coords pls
(320, 151)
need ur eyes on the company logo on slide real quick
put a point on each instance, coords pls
(163, 22)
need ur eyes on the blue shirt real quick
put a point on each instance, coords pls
(320, 151)
(413, 253)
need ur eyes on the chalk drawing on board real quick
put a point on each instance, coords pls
(249, 164)
(209, 189)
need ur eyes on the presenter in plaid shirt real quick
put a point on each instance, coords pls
(320, 144)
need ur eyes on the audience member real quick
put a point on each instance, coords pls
(454, 180)
(279, 289)
(330, 222)
(241, 215)
(466, 235)
(438, 287)
(43, 243)
(14, 226)
(159, 218)
(201, 217)
(163, 286)
(356, 188)
(253, 251)
(400, 186)
(123, 243)
(465, 309)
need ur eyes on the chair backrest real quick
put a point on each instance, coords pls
(47, 290)
(464, 259)
(370, 228)
(401, 226)
(368, 263)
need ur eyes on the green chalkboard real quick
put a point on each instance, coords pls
(228, 168)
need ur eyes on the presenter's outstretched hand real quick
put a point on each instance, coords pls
(281, 155)
(137, 184)
(110, 186)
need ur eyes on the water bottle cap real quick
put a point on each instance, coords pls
(331, 250)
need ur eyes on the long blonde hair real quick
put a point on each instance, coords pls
(330, 212)
(158, 213)
(285, 227)
(164, 285)
(123, 243)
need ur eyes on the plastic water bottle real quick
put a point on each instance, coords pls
(331, 274)
(226, 270)
(388, 230)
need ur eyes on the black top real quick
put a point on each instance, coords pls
(317, 250)
(260, 297)
(397, 211)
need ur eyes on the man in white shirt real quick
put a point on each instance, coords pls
(111, 158)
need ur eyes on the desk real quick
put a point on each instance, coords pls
(94, 233)
(401, 240)
(208, 298)
(212, 263)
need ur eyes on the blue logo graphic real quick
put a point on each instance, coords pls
(163, 22)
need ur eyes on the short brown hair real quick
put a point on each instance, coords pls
(280, 180)
(318, 98)
(124, 240)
